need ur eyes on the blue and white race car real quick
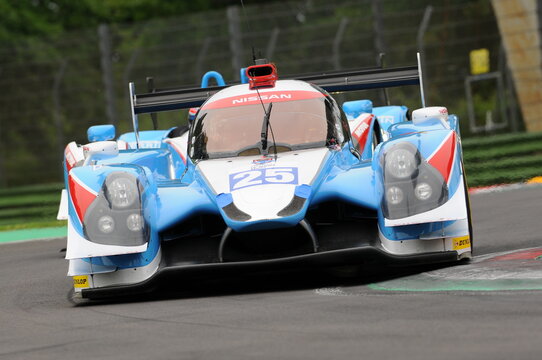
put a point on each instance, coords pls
(269, 173)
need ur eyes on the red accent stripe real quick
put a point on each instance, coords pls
(81, 197)
(177, 150)
(266, 97)
(443, 158)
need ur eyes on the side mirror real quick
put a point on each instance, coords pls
(422, 115)
(101, 133)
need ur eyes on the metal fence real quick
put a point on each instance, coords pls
(55, 88)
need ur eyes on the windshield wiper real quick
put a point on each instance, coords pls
(265, 128)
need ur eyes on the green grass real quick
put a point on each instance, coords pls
(525, 161)
(28, 212)
(497, 152)
(32, 225)
(30, 207)
(32, 189)
(28, 218)
(499, 140)
(502, 177)
(502, 159)
(29, 200)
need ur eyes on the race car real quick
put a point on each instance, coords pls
(270, 173)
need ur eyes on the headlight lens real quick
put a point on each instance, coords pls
(122, 192)
(411, 185)
(134, 222)
(394, 195)
(423, 191)
(106, 224)
(115, 217)
(401, 163)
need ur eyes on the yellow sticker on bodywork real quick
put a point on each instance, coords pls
(81, 281)
(460, 243)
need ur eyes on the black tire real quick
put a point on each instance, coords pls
(469, 215)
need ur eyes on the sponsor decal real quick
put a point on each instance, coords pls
(81, 282)
(263, 166)
(361, 129)
(386, 119)
(245, 99)
(361, 132)
(263, 160)
(265, 176)
(460, 243)
(146, 144)
(265, 97)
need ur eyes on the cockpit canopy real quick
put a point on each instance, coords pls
(300, 119)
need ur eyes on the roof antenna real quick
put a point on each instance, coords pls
(420, 74)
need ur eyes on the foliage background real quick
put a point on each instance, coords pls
(52, 60)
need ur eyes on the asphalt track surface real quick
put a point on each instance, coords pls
(314, 315)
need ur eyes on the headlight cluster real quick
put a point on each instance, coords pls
(411, 185)
(122, 192)
(115, 217)
(401, 163)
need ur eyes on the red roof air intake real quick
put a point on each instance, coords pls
(262, 76)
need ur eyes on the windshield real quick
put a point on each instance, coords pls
(236, 131)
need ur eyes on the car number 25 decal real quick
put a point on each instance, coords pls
(276, 175)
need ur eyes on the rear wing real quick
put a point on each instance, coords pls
(337, 81)
(165, 100)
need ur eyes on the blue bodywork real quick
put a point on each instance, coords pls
(174, 194)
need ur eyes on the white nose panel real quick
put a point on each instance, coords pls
(263, 188)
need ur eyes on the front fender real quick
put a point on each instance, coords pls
(88, 203)
(438, 166)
